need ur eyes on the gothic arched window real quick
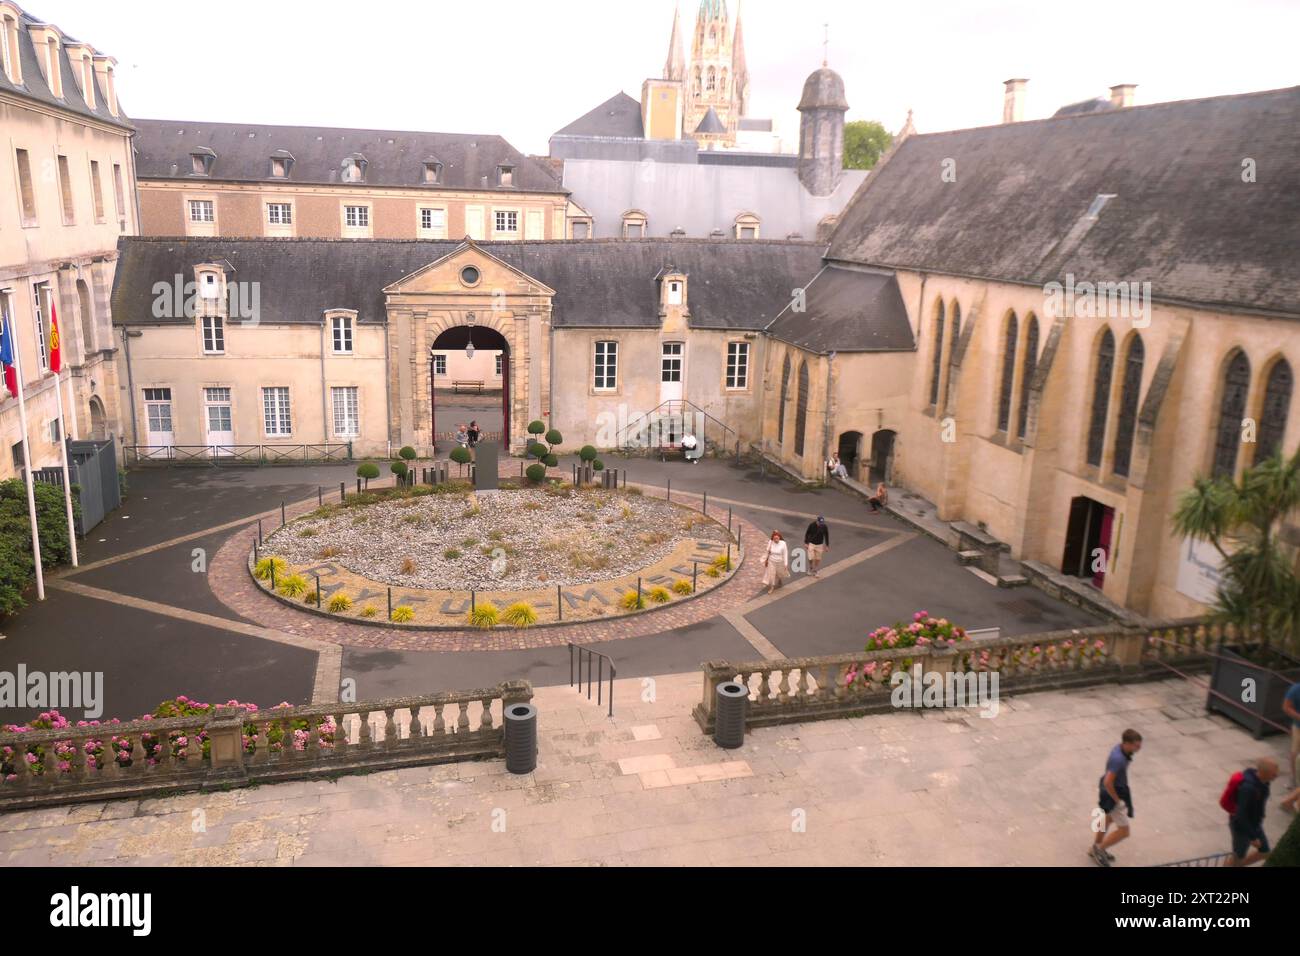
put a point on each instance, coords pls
(1101, 397)
(1008, 372)
(1236, 383)
(697, 81)
(801, 409)
(785, 397)
(1277, 403)
(712, 83)
(723, 81)
(1030, 362)
(937, 362)
(1128, 406)
(954, 334)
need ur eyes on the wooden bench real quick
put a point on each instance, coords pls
(468, 385)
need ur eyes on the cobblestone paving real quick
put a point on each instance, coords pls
(647, 787)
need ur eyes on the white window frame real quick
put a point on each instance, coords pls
(672, 361)
(38, 314)
(508, 231)
(196, 205)
(736, 375)
(282, 210)
(437, 219)
(158, 398)
(341, 334)
(351, 415)
(210, 402)
(500, 364)
(439, 364)
(277, 411)
(605, 365)
(362, 219)
(214, 334)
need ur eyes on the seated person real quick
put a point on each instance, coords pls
(881, 498)
(836, 467)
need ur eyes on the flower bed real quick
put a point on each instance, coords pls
(179, 746)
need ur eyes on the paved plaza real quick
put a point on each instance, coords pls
(646, 787)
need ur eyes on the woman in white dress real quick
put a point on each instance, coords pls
(776, 562)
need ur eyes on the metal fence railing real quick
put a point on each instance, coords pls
(254, 455)
(578, 654)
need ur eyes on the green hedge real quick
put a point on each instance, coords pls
(17, 570)
(1287, 851)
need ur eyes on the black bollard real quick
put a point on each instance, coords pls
(320, 496)
(317, 577)
(706, 502)
(559, 603)
(695, 576)
(390, 604)
(670, 489)
(259, 531)
(343, 491)
(282, 520)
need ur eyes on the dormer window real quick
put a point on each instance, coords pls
(83, 71)
(505, 175)
(201, 161)
(354, 169)
(281, 163)
(53, 72)
(9, 46)
(746, 226)
(635, 224)
(104, 70)
(432, 174)
(674, 292)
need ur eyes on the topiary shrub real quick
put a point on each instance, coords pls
(262, 570)
(536, 427)
(402, 613)
(553, 437)
(631, 601)
(407, 453)
(536, 473)
(598, 465)
(520, 614)
(682, 586)
(398, 468)
(461, 456)
(484, 615)
(367, 470)
(660, 595)
(293, 586)
(340, 603)
(550, 461)
(587, 453)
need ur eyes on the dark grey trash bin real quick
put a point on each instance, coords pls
(521, 738)
(729, 714)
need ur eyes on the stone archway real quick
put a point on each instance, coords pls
(98, 420)
(483, 339)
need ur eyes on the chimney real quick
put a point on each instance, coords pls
(1122, 95)
(1013, 101)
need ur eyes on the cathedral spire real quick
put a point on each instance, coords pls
(675, 66)
(739, 71)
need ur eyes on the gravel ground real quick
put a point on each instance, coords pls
(510, 540)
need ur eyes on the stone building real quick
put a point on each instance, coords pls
(328, 341)
(69, 196)
(1105, 307)
(237, 179)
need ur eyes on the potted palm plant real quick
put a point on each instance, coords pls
(1259, 590)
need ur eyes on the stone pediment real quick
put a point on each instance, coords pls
(447, 276)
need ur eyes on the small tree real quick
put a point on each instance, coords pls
(367, 470)
(536, 473)
(544, 453)
(461, 456)
(407, 453)
(399, 470)
(865, 141)
(1259, 592)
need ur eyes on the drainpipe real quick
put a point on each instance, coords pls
(130, 386)
(324, 414)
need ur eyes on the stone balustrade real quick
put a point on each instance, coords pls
(231, 747)
(849, 685)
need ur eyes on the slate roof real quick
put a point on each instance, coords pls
(35, 87)
(1181, 217)
(618, 116)
(598, 283)
(393, 158)
(848, 310)
(711, 123)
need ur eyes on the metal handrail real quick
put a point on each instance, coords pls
(587, 653)
(669, 404)
(1214, 859)
(252, 454)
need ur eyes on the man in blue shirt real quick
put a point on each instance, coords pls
(1114, 799)
(1249, 842)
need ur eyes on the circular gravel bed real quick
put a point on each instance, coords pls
(507, 540)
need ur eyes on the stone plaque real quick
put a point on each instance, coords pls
(485, 466)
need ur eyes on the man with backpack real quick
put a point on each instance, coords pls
(1115, 799)
(1244, 799)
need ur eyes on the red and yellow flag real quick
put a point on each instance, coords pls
(56, 353)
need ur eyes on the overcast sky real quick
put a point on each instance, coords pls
(524, 69)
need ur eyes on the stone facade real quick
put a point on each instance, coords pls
(71, 193)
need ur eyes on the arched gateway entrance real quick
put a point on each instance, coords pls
(472, 340)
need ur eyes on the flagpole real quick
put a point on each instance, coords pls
(27, 466)
(67, 482)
